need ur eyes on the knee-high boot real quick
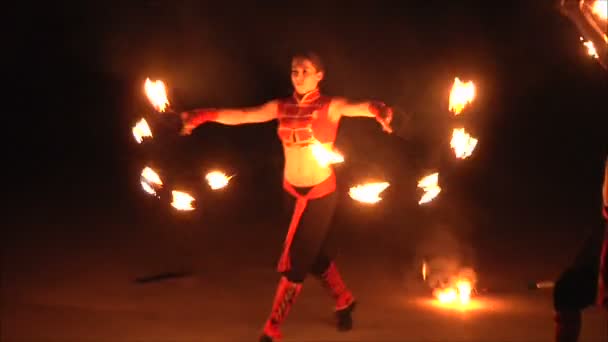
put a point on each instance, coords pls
(345, 302)
(285, 296)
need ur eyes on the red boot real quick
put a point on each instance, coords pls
(285, 296)
(345, 302)
(567, 326)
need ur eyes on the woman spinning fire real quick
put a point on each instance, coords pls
(306, 120)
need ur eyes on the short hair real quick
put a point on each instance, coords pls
(313, 57)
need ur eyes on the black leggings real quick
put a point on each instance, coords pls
(313, 246)
(576, 288)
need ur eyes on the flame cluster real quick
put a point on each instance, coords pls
(452, 288)
(461, 95)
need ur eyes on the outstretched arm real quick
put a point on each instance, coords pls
(236, 116)
(370, 109)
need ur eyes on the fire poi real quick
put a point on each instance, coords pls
(182, 200)
(150, 180)
(217, 179)
(368, 192)
(462, 143)
(461, 95)
(430, 185)
(141, 130)
(157, 94)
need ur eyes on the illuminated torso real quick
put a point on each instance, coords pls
(303, 123)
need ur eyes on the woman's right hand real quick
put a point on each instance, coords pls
(187, 126)
(195, 118)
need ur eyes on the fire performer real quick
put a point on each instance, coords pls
(586, 282)
(305, 120)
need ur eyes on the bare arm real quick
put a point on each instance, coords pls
(236, 116)
(368, 109)
(343, 107)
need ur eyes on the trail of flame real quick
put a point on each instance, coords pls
(461, 95)
(141, 130)
(430, 185)
(462, 143)
(157, 94)
(368, 192)
(217, 179)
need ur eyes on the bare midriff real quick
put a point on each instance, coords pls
(301, 166)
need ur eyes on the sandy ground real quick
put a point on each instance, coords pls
(74, 279)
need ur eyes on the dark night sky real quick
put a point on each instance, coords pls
(540, 115)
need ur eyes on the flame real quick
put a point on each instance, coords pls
(325, 156)
(157, 94)
(151, 176)
(182, 200)
(147, 188)
(452, 287)
(424, 270)
(459, 293)
(430, 185)
(368, 192)
(600, 9)
(141, 130)
(462, 143)
(461, 95)
(217, 179)
(590, 48)
(150, 180)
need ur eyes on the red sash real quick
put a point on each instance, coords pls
(322, 189)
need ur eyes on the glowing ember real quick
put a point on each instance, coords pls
(461, 95)
(430, 185)
(217, 179)
(182, 200)
(325, 156)
(141, 130)
(462, 143)
(590, 48)
(157, 94)
(368, 193)
(600, 9)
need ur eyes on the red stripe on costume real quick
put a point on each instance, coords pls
(322, 189)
